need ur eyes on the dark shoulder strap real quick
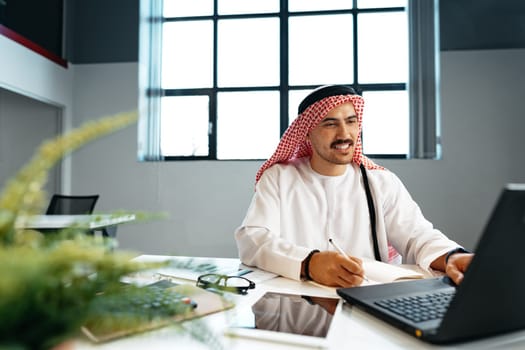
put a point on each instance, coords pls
(371, 212)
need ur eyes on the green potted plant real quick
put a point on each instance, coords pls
(48, 282)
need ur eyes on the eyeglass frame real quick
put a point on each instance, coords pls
(233, 289)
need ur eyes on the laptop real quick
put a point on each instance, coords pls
(489, 301)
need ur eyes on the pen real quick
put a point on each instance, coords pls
(340, 251)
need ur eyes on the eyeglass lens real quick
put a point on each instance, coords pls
(228, 281)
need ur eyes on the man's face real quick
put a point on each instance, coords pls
(333, 140)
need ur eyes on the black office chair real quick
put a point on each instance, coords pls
(71, 205)
(77, 205)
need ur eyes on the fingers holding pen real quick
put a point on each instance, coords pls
(333, 269)
(354, 260)
(349, 280)
(351, 264)
(354, 273)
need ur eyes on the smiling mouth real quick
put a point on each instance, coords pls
(342, 145)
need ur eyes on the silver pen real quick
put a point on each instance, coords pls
(340, 251)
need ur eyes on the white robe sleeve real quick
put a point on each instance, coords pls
(258, 239)
(408, 230)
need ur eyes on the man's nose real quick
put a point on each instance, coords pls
(343, 130)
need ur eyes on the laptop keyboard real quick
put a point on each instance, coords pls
(421, 307)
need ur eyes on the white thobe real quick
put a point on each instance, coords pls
(295, 210)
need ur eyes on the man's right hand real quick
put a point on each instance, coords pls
(335, 270)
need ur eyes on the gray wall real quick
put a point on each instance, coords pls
(482, 124)
(482, 127)
(26, 123)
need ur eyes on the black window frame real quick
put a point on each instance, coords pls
(283, 88)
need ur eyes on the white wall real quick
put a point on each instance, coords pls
(31, 75)
(26, 119)
(482, 129)
(205, 200)
(482, 126)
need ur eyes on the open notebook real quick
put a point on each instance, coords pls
(380, 272)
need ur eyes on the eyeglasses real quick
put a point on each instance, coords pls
(233, 284)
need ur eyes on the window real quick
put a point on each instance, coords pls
(223, 79)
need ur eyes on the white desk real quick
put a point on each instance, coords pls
(352, 329)
(62, 221)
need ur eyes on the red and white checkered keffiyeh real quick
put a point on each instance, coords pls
(294, 144)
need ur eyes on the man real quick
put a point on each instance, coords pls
(318, 185)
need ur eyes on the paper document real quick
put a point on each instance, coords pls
(190, 268)
(256, 275)
(380, 272)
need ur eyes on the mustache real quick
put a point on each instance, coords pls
(339, 142)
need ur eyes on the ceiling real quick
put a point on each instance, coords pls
(92, 31)
(482, 24)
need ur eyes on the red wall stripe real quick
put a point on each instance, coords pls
(32, 46)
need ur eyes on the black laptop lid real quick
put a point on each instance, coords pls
(491, 298)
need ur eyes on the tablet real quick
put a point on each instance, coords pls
(287, 318)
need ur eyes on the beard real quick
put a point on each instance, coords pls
(335, 155)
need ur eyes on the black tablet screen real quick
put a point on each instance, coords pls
(290, 313)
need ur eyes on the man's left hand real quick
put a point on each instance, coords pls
(457, 265)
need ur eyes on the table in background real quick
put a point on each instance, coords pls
(106, 223)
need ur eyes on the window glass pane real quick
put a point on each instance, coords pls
(248, 52)
(381, 3)
(248, 124)
(248, 48)
(386, 122)
(184, 64)
(295, 97)
(184, 126)
(184, 8)
(320, 50)
(228, 7)
(383, 47)
(318, 5)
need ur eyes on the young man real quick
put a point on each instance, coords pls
(318, 185)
